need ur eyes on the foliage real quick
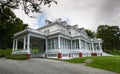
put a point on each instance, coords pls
(28, 5)
(110, 36)
(90, 33)
(9, 24)
(113, 52)
(35, 50)
(104, 62)
(5, 52)
(17, 57)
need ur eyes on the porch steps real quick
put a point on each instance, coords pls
(106, 54)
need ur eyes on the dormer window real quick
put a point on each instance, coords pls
(47, 31)
(69, 32)
(44, 32)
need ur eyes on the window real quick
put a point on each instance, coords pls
(44, 32)
(47, 31)
(69, 32)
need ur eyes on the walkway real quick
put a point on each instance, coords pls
(46, 66)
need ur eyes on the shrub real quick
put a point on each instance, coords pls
(17, 57)
(113, 52)
(4, 53)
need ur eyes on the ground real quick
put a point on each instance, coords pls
(46, 66)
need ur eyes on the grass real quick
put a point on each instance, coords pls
(76, 60)
(17, 57)
(111, 63)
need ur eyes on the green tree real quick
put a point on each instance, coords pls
(90, 33)
(28, 5)
(110, 36)
(9, 24)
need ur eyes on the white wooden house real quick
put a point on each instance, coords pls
(56, 40)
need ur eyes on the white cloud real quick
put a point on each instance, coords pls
(32, 22)
(86, 13)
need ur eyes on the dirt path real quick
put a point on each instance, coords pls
(46, 66)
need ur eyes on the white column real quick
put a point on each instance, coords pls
(92, 47)
(100, 47)
(24, 46)
(71, 44)
(58, 42)
(28, 42)
(51, 43)
(13, 45)
(75, 44)
(54, 43)
(46, 44)
(16, 44)
(79, 44)
(85, 45)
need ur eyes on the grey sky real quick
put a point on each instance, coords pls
(86, 13)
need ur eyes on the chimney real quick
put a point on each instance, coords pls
(47, 22)
(58, 20)
(76, 26)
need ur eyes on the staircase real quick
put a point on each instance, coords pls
(106, 54)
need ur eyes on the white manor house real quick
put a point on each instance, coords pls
(56, 40)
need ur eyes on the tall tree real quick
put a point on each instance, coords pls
(28, 5)
(90, 33)
(110, 36)
(9, 24)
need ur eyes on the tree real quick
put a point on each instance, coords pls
(90, 33)
(28, 5)
(9, 24)
(110, 36)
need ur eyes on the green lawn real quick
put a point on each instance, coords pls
(111, 63)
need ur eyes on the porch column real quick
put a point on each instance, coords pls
(71, 44)
(16, 44)
(58, 42)
(92, 47)
(100, 47)
(79, 44)
(85, 45)
(24, 46)
(54, 43)
(75, 44)
(28, 42)
(13, 45)
(46, 44)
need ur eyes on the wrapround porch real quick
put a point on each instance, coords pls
(30, 43)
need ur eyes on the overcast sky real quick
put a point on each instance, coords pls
(86, 13)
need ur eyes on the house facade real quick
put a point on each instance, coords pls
(56, 40)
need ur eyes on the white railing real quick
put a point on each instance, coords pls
(21, 52)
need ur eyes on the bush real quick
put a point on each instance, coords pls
(113, 52)
(17, 57)
(5, 52)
